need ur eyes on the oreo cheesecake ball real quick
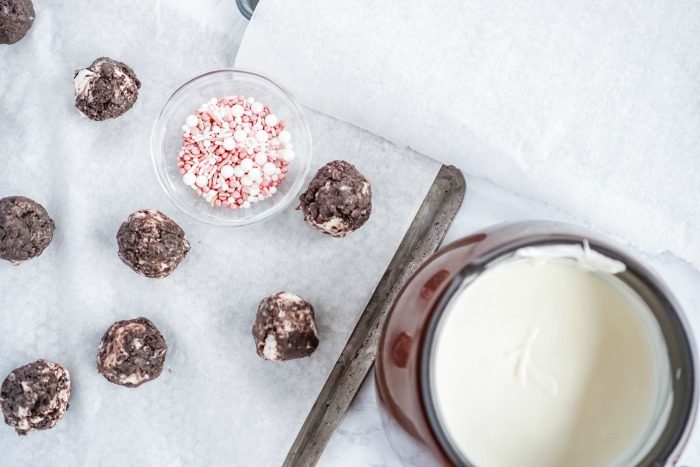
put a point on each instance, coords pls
(151, 243)
(25, 229)
(106, 89)
(285, 328)
(338, 200)
(35, 396)
(16, 18)
(132, 352)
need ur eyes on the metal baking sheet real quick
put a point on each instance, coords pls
(422, 239)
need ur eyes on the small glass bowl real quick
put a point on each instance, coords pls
(166, 140)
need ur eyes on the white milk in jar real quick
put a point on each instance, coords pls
(548, 359)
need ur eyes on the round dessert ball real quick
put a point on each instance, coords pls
(151, 243)
(35, 396)
(25, 229)
(16, 18)
(106, 89)
(338, 200)
(132, 352)
(285, 327)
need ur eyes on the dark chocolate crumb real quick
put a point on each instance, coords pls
(285, 328)
(106, 89)
(132, 352)
(16, 19)
(25, 229)
(338, 200)
(151, 243)
(35, 396)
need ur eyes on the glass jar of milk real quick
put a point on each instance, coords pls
(536, 345)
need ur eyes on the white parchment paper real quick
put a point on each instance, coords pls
(593, 107)
(216, 403)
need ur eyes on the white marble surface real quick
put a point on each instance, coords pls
(578, 104)
(360, 440)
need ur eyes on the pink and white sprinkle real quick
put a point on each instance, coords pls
(234, 152)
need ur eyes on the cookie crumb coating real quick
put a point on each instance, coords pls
(151, 243)
(132, 352)
(285, 328)
(338, 200)
(26, 229)
(35, 396)
(16, 19)
(106, 89)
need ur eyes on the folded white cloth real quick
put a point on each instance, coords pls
(593, 107)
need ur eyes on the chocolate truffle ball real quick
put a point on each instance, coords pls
(285, 328)
(35, 396)
(151, 243)
(132, 352)
(106, 89)
(25, 229)
(338, 200)
(16, 18)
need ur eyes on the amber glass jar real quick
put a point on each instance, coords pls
(403, 358)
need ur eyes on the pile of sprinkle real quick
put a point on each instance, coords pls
(234, 152)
